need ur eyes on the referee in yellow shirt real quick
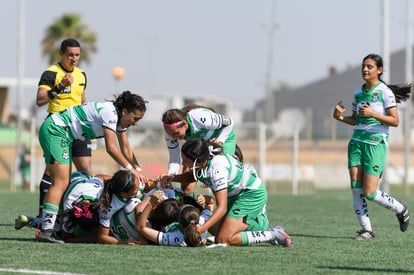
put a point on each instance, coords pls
(63, 85)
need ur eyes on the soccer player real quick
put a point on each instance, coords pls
(122, 193)
(108, 120)
(240, 217)
(182, 232)
(374, 110)
(82, 187)
(192, 122)
(80, 207)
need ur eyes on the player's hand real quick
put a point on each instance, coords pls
(157, 197)
(215, 141)
(140, 176)
(131, 241)
(339, 111)
(67, 80)
(201, 200)
(165, 180)
(365, 110)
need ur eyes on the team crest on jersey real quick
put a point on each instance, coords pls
(375, 97)
(65, 154)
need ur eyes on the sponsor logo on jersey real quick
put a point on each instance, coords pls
(67, 90)
(220, 182)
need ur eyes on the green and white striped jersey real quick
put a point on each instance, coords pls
(379, 98)
(203, 124)
(225, 172)
(82, 186)
(87, 121)
(173, 236)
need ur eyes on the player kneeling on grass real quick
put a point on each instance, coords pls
(240, 217)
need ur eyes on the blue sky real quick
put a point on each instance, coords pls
(215, 47)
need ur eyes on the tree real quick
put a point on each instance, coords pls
(68, 26)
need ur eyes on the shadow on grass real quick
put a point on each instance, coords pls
(367, 269)
(19, 239)
(319, 236)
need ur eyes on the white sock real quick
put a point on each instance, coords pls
(256, 237)
(361, 208)
(385, 200)
(48, 220)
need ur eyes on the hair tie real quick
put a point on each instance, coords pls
(82, 212)
(173, 124)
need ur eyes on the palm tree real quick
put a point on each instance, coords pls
(69, 25)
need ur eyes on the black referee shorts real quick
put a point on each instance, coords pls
(81, 148)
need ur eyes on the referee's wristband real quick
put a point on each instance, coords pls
(52, 93)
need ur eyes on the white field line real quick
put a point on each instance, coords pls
(29, 271)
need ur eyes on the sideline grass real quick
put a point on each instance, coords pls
(321, 226)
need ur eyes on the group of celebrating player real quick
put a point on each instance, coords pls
(127, 207)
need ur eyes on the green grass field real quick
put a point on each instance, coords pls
(321, 225)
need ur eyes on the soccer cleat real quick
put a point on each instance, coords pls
(22, 221)
(48, 236)
(403, 218)
(364, 234)
(281, 237)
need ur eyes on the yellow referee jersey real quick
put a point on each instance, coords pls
(71, 95)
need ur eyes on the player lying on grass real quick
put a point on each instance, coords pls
(182, 231)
